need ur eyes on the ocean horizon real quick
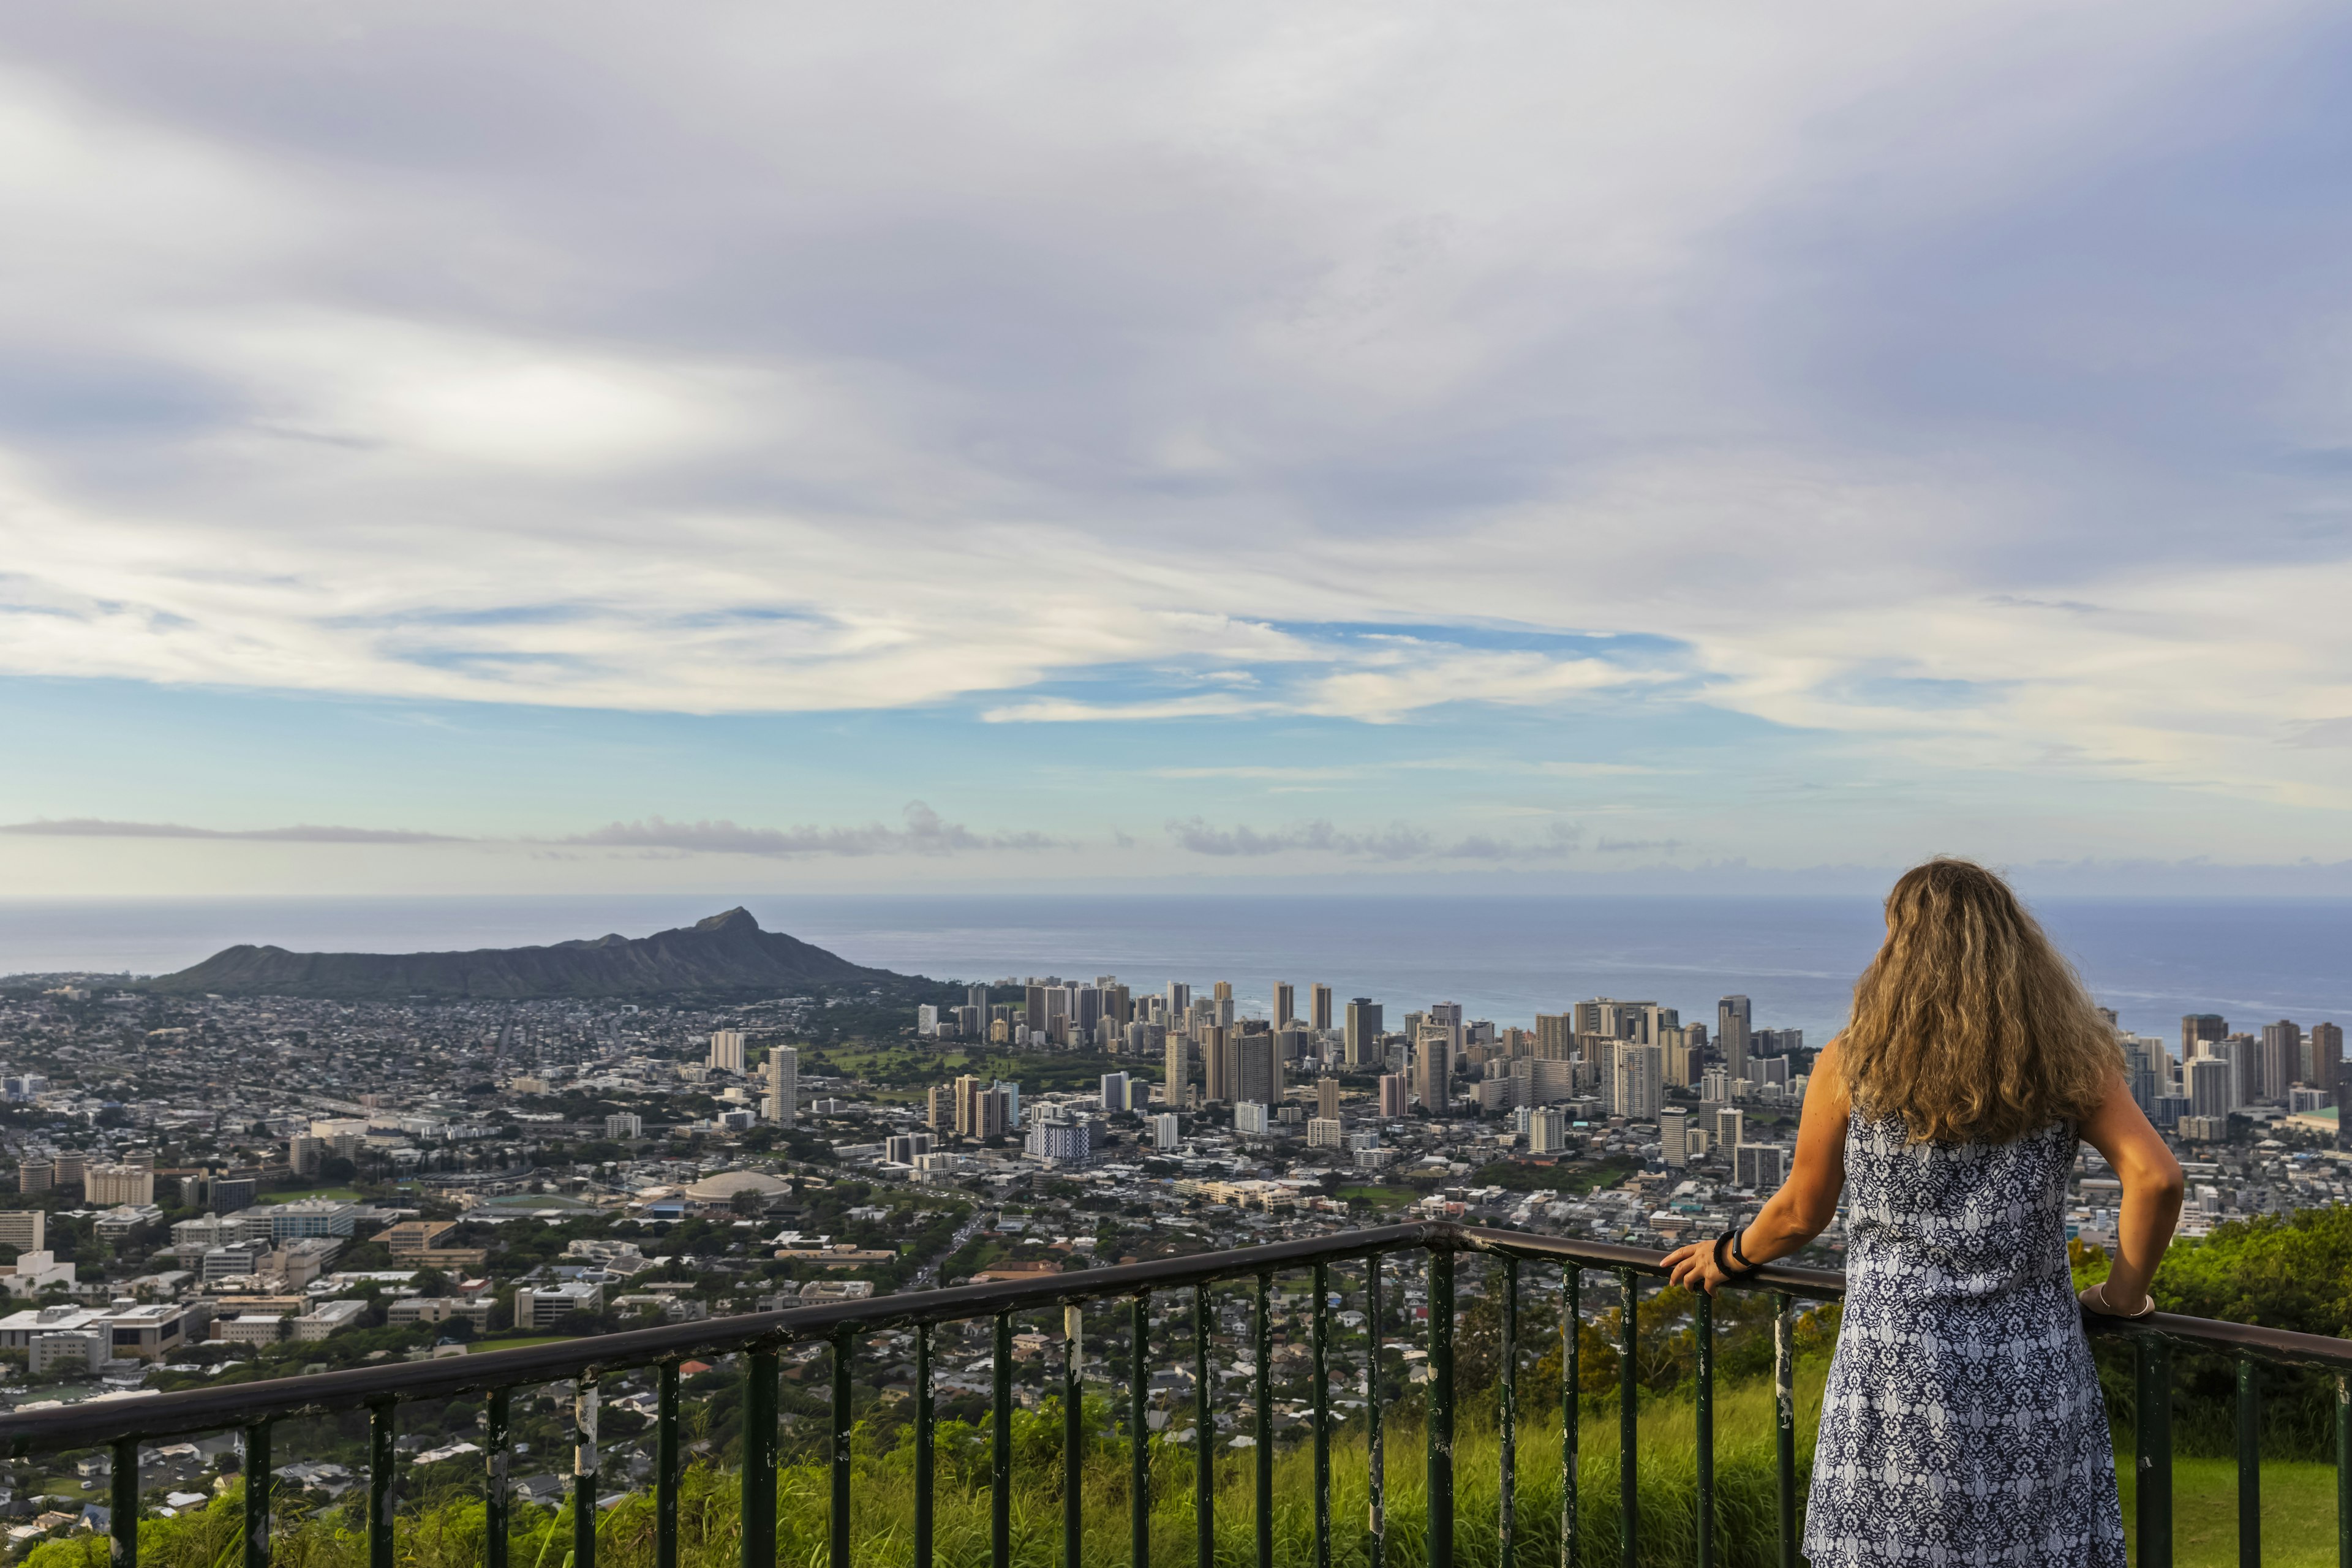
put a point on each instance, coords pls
(1504, 958)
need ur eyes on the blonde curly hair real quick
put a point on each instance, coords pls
(1970, 1026)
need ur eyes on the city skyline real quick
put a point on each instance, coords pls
(1162, 445)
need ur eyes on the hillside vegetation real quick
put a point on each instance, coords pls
(444, 1529)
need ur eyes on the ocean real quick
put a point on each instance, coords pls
(1504, 958)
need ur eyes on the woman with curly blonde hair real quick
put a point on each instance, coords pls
(1961, 1422)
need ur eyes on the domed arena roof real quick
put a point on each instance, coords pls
(722, 1187)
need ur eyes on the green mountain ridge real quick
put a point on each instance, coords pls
(727, 951)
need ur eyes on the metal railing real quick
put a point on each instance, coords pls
(253, 1408)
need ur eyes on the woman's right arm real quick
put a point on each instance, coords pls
(2152, 1187)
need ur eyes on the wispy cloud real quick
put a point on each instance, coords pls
(1260, 774)
(95, 828)
(1637, 845)
(1397, 842)
(922, 832)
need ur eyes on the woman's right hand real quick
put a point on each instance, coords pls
(1693, 1266)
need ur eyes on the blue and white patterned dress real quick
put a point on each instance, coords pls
(1963, 1422)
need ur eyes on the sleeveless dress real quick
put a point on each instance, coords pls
(1963, 1422)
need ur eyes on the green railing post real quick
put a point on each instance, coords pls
(2152, 1481)
(1506, 1423)
(1263, 1430)
(758, 1508)
(584, 1474)
(1784, 1421)
(498, 1505)
(1629, 1416)
(1073, 1433)
(1322, 1331)
(666, 1475)
(1138, 1432)
(1375, 1454)
(381, 1460)
(926, 1445)
(2343, 1471)
(1702, 1427)
(2250, 1465)
(122, 1507)
(844, 1414)
(1204, 1438)
(257, 1495)
(1571, 1318)
(1000, 1463)
(1440, 1407)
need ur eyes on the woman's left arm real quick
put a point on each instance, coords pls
(1806, 1202)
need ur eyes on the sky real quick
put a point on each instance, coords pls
(588, 447)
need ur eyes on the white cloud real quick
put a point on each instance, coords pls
(922, 832)
(1187, 341)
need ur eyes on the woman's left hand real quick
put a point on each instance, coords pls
(1693, 1266)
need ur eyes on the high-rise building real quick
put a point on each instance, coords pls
(1685, 1049)
(1216, 1065)
(1257, 1075)
(1166, 1131)
(2145, 1069)
(726, 1051)
(2244, 1055)
(1364, 1029)
(1761, 1166)
(1033, 1008)
(1733, 1021)
(1180, 1000)
(783, 1085)
(1321, 1005)
(1325, 1133)
(1547, 1131)
(23, 1229)
(303, 1153)
(108, 1185)
(2326, 1050)
(1555, 1035)
(940, 1108)
(1327, 1098)
(1179, 1074)
(1674, 1124)
(976, 996)
(1446, 1015)
(1223, 991)
(1285, 1002)
(2282, 1059)
(1433, 1075)
(1640, 1081)
(2212, 1086)
(2196, 1029)
(1393, 1101)
(1251, 1117)
(1730, 1128)
(1542, 1081)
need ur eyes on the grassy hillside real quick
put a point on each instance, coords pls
(444, 1528)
